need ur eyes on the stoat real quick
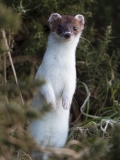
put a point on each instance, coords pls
(59, 73)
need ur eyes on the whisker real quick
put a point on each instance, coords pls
(87, 41)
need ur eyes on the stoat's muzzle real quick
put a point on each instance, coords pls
(67, 35)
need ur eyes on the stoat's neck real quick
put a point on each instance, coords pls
(60, 46)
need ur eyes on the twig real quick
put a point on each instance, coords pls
(14, 72)
(65, 151)
(5, 76)
(21, 59)
(22, 155)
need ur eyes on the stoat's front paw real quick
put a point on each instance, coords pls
(53, 105)
(65, 103)
(51, 100)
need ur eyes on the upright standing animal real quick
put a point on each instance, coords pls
(59, 73)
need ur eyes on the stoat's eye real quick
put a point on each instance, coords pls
(60, 28)
(74, 28)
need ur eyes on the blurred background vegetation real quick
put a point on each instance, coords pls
(95, 112)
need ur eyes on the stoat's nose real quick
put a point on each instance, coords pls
(67, 35)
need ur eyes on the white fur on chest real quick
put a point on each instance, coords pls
(58, 66)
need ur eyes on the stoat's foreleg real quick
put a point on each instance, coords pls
(48, 93)
(67, 95)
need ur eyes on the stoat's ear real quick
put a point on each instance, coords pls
(80, 18)
(53, 17)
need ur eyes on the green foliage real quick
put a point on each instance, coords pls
(98, 67)
(115, 144)
(12, 20)
(13, 118)
(94, 132)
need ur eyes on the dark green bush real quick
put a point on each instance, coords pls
(94, 132)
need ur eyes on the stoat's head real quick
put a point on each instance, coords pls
(66, 27)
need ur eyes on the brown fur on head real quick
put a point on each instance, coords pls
(66, 26)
